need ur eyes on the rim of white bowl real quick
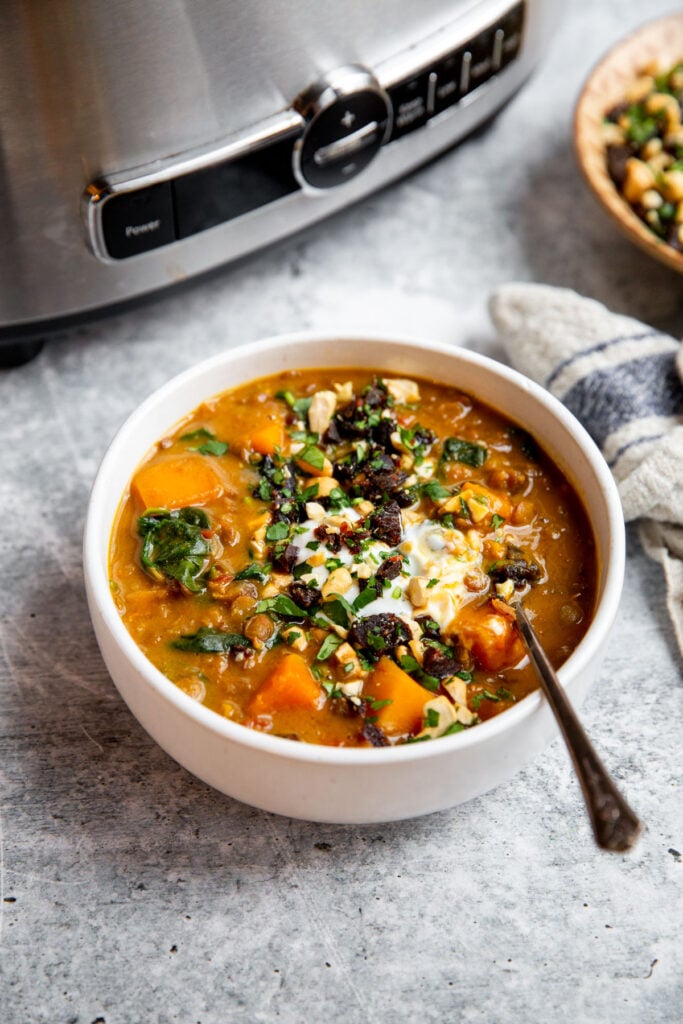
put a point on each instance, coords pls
(97, 538)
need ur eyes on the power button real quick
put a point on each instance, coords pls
(347, 117)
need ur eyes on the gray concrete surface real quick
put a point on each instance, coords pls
(132, 893)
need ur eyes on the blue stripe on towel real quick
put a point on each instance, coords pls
(606, 400)
(602, 347)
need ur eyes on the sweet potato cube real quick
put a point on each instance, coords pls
(290, 685)
(404, 714)
(267, 438)
(177, 482)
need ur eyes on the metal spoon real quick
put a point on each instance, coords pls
(615, 826)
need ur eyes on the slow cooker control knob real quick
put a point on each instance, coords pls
(347, 117)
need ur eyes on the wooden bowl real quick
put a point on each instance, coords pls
(660, 40)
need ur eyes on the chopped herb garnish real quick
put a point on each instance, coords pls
(299, 405)
(328, 646)
(436, 491)
(408, 663)
(330, 688)
(277, 531)
(213, 447)
(311, 456)
(496, 521)
(432, 583)
(432, 718)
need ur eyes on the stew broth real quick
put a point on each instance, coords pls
(329, 556)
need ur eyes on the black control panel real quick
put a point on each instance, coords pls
(337, 141)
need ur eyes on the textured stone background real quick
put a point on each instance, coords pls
(131, 892)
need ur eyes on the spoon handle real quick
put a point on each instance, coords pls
(615, 826)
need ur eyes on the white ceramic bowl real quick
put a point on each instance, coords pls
(332, 784)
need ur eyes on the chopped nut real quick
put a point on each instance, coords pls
(416, 591)
(397, 442)
(345, 655)
(315, 510)
(325, 485)
(410, 516)
(352, 688)
(425, 471)
(339, 630)
(505, 589)
(417, 650)
(477, 504)
(463, 714)
(317, 558)
(402, 390)
(362, 571)
(475, 540)
(364, 508)
(457, 688)
(338, 582)
(295, 639)
(414, 629)
(321, 411)
(444, 712)
(344, 392)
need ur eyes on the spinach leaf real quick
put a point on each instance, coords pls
(456, 449)
(210, 641)
(174, 545)
(254, 571)
(339, 611)
(281, 605)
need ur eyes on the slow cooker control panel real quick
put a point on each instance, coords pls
(331, 134)
(347, 117)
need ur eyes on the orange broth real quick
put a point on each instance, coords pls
(349, 585)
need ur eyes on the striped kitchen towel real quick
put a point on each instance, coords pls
(622, 380)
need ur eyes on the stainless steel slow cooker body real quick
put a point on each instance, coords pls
(144, 143)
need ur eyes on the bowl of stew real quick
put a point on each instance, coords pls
(300, 558)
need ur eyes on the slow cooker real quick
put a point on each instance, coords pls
(146, 142)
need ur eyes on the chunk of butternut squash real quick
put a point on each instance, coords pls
(290, 685)
(177, 482)
(267, 438)
(404, 713)
(492, 638)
